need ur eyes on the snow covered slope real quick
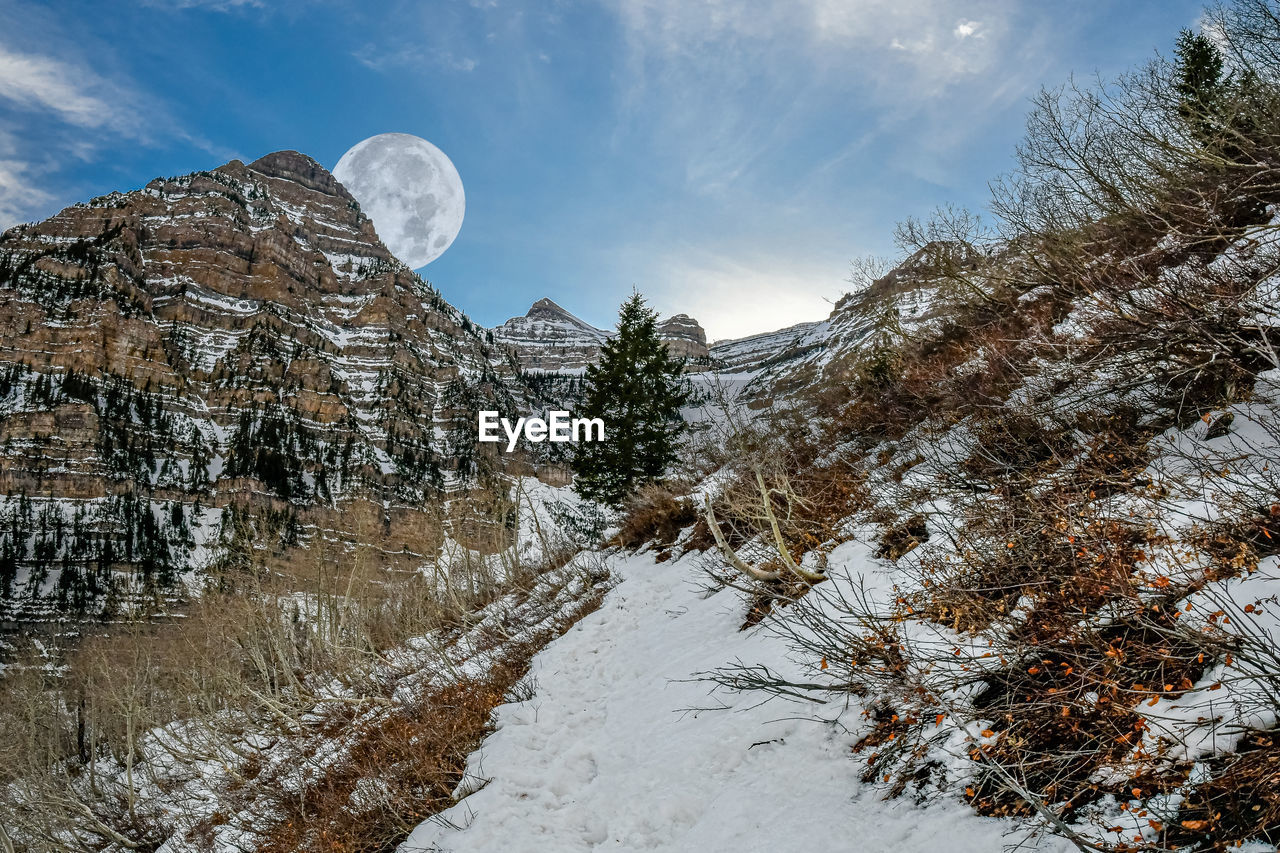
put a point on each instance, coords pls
(751, 352)
(773, 365)
(609, 754)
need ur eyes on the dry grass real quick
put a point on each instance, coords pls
(403, 766)
(341, 668)
(1241, 799)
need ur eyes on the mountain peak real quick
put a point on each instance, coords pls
(301, 169)
(545, 309)
(195, 300)
(550, 339)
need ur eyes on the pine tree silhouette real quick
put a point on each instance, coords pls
(1200, 85)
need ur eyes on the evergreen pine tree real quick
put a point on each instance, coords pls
(637, 389)
(198, 467)
(1200, 85)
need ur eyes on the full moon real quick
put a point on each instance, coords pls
(410, 190)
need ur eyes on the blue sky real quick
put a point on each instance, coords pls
(728, 159)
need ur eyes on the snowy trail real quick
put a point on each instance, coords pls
(602, 757)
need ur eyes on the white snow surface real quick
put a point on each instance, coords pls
(607, 755)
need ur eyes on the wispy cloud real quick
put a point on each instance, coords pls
(755, 110)
(67, 112)
(453, 37)
(727, 86)
(378, 58)
(212, 5)
(912, 48)
(70, 91)
(39, 88)
(20, 192)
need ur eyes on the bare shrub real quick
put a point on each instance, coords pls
(1027, 468)
(655, 514)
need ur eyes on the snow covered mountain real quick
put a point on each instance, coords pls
(548, 339)
(235, 336)
(772, 364)
(685, 338)
(755, 351)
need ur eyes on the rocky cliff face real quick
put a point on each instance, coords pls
(232, 350)
(548, 339)
(685, 338)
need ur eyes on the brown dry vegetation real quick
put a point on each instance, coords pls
(655, 514)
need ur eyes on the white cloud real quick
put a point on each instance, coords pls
(902, 48)
(20, 195)
(413, 57)
(41, 82)
(213, 5)
(724, 86)
(57, 109)
(464, 63)
(71, 96)
(927, 56)
(750, 111)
